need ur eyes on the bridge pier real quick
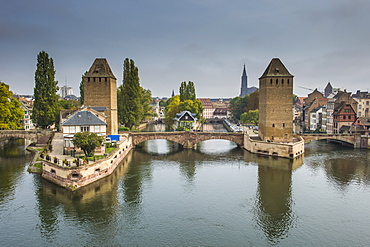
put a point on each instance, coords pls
(189, 145)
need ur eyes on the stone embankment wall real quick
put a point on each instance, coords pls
(75, 177)
(279, 149)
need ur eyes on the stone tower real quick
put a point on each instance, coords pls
(100, 90)
(275, 103)
(244, 84)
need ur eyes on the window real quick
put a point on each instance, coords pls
(282, 81)
(84, 128)
(72, 129)
(277, 81)
(367, 102)
(97, 128)
(283, 125)
(271, 81)
(273, 125)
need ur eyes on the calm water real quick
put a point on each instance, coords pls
(217, 195)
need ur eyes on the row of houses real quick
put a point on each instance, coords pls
(334, 111)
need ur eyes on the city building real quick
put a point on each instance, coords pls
(100, 90)
(65, 90)
(318, 119)
(363, 99)
(275, 103)
(84, 120)
(207, 108)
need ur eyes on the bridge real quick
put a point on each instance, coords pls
(34, 136)
(187, 139)
(345, 139)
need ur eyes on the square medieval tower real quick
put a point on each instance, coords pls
(100, 90)
(275, 103)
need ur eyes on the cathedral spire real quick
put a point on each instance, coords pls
(244, 83)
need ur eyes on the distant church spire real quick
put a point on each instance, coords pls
(173, 93)
(244, 84)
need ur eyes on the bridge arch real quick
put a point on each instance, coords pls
(347, 139)
(33, 136)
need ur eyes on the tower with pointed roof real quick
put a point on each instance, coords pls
(100, 90)
(275, 103)
(244, 84)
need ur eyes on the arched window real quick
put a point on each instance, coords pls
(273, 125)
(277, 81)
(288, 81)
(282, 81)
(271, 81)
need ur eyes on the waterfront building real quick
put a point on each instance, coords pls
(363, 99)
(207, 108)
(318, 119)
(100, 90)
(185, 119)
(344, 115)
(26, 121)
(275, 103)
(84, 120)
(312, 103)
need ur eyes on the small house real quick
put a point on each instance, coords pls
(84, 120)
(185, 120)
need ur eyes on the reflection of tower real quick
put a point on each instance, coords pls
(100, 90)
(274, 202)
(275, 103)
(244, 84)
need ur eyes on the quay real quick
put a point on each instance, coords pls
(73, 176)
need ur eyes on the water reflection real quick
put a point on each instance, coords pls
(13, 159)
(274, 214)
(342, 165)
(93, 208)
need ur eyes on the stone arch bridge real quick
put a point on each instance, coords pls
(186, 138)
(34, 136)
(345, 139)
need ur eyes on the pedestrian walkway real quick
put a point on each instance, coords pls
(57, 145)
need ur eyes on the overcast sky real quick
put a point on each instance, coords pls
(204, 41)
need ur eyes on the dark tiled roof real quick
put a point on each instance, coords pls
(84, 118)
(100, 68)
(183, 113)
(99, 108)
(276, 68)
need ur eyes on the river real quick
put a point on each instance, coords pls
(217, 195)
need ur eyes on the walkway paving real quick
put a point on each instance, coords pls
(57, 144)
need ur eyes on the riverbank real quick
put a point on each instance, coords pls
(74, 175)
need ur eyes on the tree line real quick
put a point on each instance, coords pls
(185, 101)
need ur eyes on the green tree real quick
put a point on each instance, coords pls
(238, 106)
(82, 90)
(187, 91)
(146, 99)
(68, 104)
(251, 117)
(171, 109)
(87, 142)
(10, 110)
(253, 101)
(45, 108)
(129, 96)
(194, 106)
